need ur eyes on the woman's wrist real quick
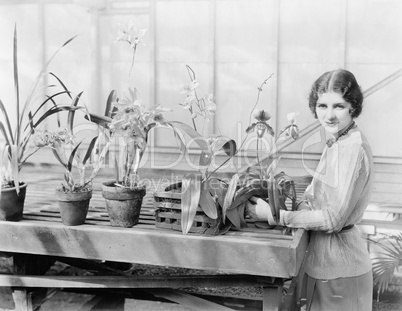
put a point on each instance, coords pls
(281, 220)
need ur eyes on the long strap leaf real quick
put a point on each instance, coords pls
(89, 150)
(71, 113)
(3, 131)
(14, 167)
(7, 120)
(190, 197)
(36, 82)
(49, 99)
(98, 119)
(16, 88)
(62, 84)
(110, 99)
(71, 158)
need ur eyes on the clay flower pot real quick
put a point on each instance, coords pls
(12, 204)
(73, 206)
(123, 204)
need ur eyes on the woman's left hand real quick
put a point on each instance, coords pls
(260, 210)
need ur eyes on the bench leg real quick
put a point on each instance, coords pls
(22, 299)
(28, 299)
(271, 298)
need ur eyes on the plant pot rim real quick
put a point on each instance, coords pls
(22, 185)
(111, 184)
(112, 192)
(73, 196)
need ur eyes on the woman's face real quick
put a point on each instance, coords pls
(333, 112)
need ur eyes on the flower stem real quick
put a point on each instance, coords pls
(132, 63)
(258, 159)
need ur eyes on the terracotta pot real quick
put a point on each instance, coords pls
(12, 204)
(73, 206)
(123, 204)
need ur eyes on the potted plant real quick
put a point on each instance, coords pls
(13, 153)
(226, 201)
(74, 196)
(129, 122)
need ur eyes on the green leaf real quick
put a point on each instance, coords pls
(36, 82)
(230, 148)
(198, 139)
(7, 120)
(62, 161)
(110, 99)
(98, 119)
(230, 195)
(190, 197)
(180, 142)
(54, 110)
(62, 84)
(228, 145)
(234, 218)
(71, 113)
(205, 158)
(4, 132)
(71, 158)
(16, 89)
(51, 99)
(207, 202)
(14, 167)
(89, 150)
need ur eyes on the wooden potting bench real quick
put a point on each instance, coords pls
(253, 257)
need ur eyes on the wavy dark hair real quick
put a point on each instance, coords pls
(339, 81)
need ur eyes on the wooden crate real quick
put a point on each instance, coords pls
(168, 213)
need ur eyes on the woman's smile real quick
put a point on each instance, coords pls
(333, 112)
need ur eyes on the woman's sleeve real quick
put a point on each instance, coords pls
(342, 187)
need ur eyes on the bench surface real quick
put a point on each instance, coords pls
(251, 251)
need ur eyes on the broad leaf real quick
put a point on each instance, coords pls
(234, 218)
(205, 158)
(190, 197)
(207, 202)
(229, 195)
(198, 139)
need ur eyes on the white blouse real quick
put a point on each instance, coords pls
(337, 197)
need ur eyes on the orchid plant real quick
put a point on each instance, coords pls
(129, 119)
(264, 184)
(63, 139)
(13, 154)
(221, 200)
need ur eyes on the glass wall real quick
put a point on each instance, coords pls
(232, 46)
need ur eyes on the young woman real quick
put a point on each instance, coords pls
(338, 267)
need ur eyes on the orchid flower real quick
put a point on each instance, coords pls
(130, 34)
(292, 130)
(262, 117)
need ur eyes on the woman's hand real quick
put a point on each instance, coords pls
(259, 210)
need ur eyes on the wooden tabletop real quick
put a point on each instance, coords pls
(251, 251)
